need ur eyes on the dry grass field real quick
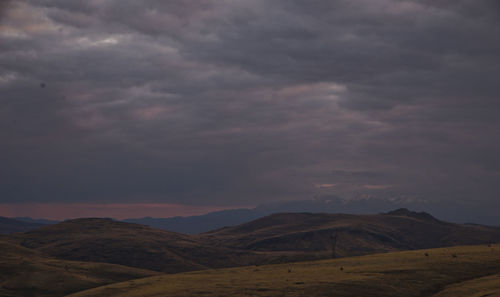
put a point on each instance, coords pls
(488, 286)
(455, 271)
(25, 272)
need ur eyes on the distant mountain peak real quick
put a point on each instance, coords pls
(92, 224)
(408, 213)
(9, 225)
(90, 220)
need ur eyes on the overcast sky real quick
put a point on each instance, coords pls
(241, 102)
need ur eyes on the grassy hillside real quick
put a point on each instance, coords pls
(487, 286)
(109, 241)
(355, 234)
(443, 271)
(24, 272)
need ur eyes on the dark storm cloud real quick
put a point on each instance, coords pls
(238, 102)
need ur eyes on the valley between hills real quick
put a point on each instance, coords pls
(284, 254)
(464, 271)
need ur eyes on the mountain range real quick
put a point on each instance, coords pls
(453, 212)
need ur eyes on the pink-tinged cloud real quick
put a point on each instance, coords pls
(325, 185)
(62, 211)
(376, 187)
(151, 112)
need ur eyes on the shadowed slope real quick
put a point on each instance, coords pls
(410, 273)
(109, 241)
(25, 272)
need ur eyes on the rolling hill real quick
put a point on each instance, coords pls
(109, 241)
(277, 238)
(8, 225)
(25, 272)
(355, 234)
(458, 271)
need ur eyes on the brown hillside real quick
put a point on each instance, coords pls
(462, 271)
(25, 272)
(109, 241)
(355, 234)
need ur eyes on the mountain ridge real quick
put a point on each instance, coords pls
(450, 212)
(10, 225)
(276, 238)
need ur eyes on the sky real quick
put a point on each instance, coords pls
(204, 105)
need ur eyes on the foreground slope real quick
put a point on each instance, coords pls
(351, 234)
(24, 272)
(487, 286)
(410, 273)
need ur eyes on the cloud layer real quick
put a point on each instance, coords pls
(241, 102)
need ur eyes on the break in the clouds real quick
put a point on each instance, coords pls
(241, 102)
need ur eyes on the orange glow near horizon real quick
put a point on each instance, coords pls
(63, 211)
